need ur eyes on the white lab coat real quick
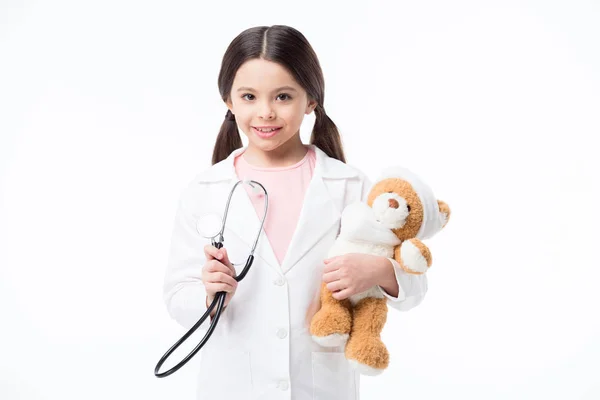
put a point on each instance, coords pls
(262, 348)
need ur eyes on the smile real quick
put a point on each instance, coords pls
(266, 133)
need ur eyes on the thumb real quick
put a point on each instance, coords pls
(328, 260)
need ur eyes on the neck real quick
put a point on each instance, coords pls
(289, 153)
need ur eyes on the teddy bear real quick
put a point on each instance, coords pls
(399, 213)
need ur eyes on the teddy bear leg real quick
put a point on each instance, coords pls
(330, 326)
(364, 350)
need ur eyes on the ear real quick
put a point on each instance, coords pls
(310, 107)
(444, 212)
(229, 104)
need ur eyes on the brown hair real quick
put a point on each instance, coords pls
(289, 48)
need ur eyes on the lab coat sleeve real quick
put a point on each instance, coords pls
(411, 287)
(183, 290)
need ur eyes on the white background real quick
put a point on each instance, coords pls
(108, 109)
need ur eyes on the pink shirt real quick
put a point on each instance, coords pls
(286, 187)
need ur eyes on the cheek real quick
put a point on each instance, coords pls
(293, 116)
(243, 115)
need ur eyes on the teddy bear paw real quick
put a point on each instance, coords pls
(333, 340)
(412, 259)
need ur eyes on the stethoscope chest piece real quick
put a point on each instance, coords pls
(209, 225)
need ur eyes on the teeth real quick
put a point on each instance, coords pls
(266, 130)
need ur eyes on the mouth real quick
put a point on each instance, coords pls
(266, 132)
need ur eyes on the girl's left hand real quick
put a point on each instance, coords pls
(351, 274)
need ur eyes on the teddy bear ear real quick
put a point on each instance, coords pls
(444, 212)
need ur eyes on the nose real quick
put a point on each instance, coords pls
(267, 112)
(393, 203)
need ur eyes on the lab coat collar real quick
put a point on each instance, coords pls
(319, 214)
(325, 167)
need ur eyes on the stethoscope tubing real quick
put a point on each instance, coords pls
(219, 299)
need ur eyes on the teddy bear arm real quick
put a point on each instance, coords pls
(413, 256)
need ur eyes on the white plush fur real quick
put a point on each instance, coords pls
(412, 258)
(444, 218)
(333, 340)
(392, 218)
(365, 369)
(362, 233)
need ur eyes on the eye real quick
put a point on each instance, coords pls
(287, 95)
(408, 206)
(247, 94)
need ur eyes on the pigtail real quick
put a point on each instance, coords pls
(227, 140)
(325, 135)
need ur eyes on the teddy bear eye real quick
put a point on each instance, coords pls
(407, 206)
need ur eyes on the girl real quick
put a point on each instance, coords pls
(262, 349)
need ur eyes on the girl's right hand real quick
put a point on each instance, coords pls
(218, 275)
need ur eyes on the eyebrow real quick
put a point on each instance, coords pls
(249, 89)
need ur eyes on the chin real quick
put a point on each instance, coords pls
(270, 143)
(266, 145)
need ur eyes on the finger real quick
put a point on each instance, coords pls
(226, 266)
(224, 277)
(211, 252)
(330, 266)
(217, 266)
(225, 260)
(219, 287)
(343, 294)
(331, 276)
(336, 286)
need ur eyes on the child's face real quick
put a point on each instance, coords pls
(256, 102)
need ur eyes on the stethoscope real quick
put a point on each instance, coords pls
(206, 226)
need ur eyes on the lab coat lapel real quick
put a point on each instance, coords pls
(320, 211)
(244, 222)
(317, 217)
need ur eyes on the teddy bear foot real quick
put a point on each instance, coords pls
(367, 354)
(333, 340)
(330, 327)
(364, 369)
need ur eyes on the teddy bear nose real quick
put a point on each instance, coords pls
(393, 203)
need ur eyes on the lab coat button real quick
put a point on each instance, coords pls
(283, 385)
(279, 282)
(281, 333)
